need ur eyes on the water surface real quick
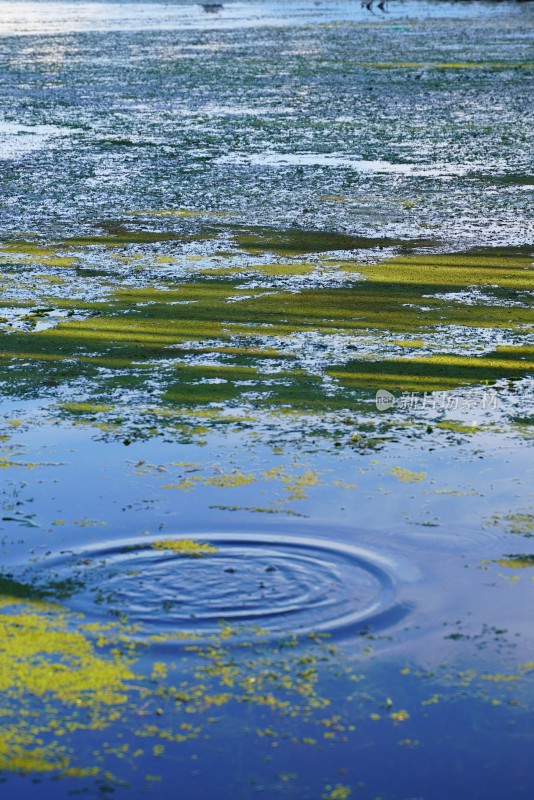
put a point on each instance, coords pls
(226, 565)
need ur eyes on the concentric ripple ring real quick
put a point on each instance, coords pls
(283, 585)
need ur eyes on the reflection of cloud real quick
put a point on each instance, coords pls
(17, 140)
(50, 54)
(27, 18)
(69, 17)
(346, 162)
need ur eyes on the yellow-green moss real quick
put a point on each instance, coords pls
(41, 656)
(185, 547)
(339, 792)
(517, 561)
(519, 522)
(406, 475)
(231, 480)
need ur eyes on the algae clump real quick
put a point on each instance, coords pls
(185, 547)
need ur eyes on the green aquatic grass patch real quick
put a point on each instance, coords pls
(299, 241)
(438, 373)
(211, 338)
(35, 253)
(508, 268)
(512, 179)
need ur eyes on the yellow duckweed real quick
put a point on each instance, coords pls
(185, 547)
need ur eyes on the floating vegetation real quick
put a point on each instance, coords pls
(517, 561)
(56, 680)
(185, 547)
(85, 678)
(521, 523)
(406, 475)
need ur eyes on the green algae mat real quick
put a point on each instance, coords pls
(266, 400)
(233, 333)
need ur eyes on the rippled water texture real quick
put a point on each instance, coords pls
(283, 585)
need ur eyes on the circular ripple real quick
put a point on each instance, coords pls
(283, 585)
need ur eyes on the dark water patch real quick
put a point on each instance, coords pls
(53, 590)
(513, 180)
(125, 143)
(257, 584)
(299, 241)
